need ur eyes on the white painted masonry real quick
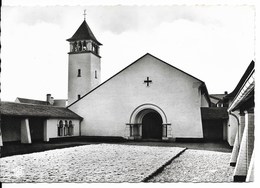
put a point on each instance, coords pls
(51, 128)
(25, 132)
(108, 108)
(88, 63)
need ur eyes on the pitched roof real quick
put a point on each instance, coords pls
(215, 98)
(248, 71)
(32, 110)
(214, 113)
(84, 33)
(203, 85)
(32, 101)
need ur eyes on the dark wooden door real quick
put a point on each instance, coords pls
(152, 126)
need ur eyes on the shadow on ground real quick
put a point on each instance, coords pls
(16, 148)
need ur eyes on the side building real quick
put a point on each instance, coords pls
(241, 125)
(28, 122)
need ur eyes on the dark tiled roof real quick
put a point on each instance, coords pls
(32, 101)
(214, 113)
(84, 33)
(32, 110)
(217, 96)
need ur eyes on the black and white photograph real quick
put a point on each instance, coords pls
(144, 92)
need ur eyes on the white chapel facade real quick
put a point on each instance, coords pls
(149, 99)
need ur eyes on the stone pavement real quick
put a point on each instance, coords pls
(197, 166)
(90, 163)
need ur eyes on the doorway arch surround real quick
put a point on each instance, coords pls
(135, 121)
(142, 110)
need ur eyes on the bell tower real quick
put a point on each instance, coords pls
(84, 63)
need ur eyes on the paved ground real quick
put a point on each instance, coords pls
(197, 166)
(210, 146)
(201, 162)
(90, 163)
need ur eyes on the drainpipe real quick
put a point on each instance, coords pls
(230, 113)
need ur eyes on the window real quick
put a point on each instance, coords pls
(95, 48)
(84, 46)
(80, 46)
(66, 128)
(79, 72)
(60, 128)
(95, 74)
(75, 47)
(78, 96)
(71, 131)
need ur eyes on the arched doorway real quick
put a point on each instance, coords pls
(152, 126)
(148, 121)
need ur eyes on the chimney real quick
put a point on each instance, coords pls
(49, 99)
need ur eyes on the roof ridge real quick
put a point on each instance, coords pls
(30, 104)
(31, 99)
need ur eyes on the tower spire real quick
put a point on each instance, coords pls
(85, 14)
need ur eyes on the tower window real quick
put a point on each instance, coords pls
(84, 46)
(78, 96)
(95, 74)
(79, 72)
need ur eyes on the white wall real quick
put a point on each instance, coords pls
(51, 128)
(232, 128)
(87, 63)
(108, 108)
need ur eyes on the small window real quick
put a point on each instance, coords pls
(84, 46)
(60, 128)
(95, 74)
(75, 47)
(66, 128)
(71, 127)
(79, 72)
(78, 96)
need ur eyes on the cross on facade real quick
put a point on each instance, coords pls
(85, 14)
(147, 81)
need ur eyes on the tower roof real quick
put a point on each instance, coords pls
(84, 33)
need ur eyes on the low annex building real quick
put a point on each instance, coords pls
(27, 122)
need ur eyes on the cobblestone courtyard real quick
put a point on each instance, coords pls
(116, 163)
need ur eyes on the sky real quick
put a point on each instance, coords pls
(212, 43)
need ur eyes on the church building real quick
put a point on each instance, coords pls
(148, 100)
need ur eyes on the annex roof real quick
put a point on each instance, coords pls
(215, 98)
(33, 110)
(84, 33)
(213, 113)
(203, 85)
(31, 101)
